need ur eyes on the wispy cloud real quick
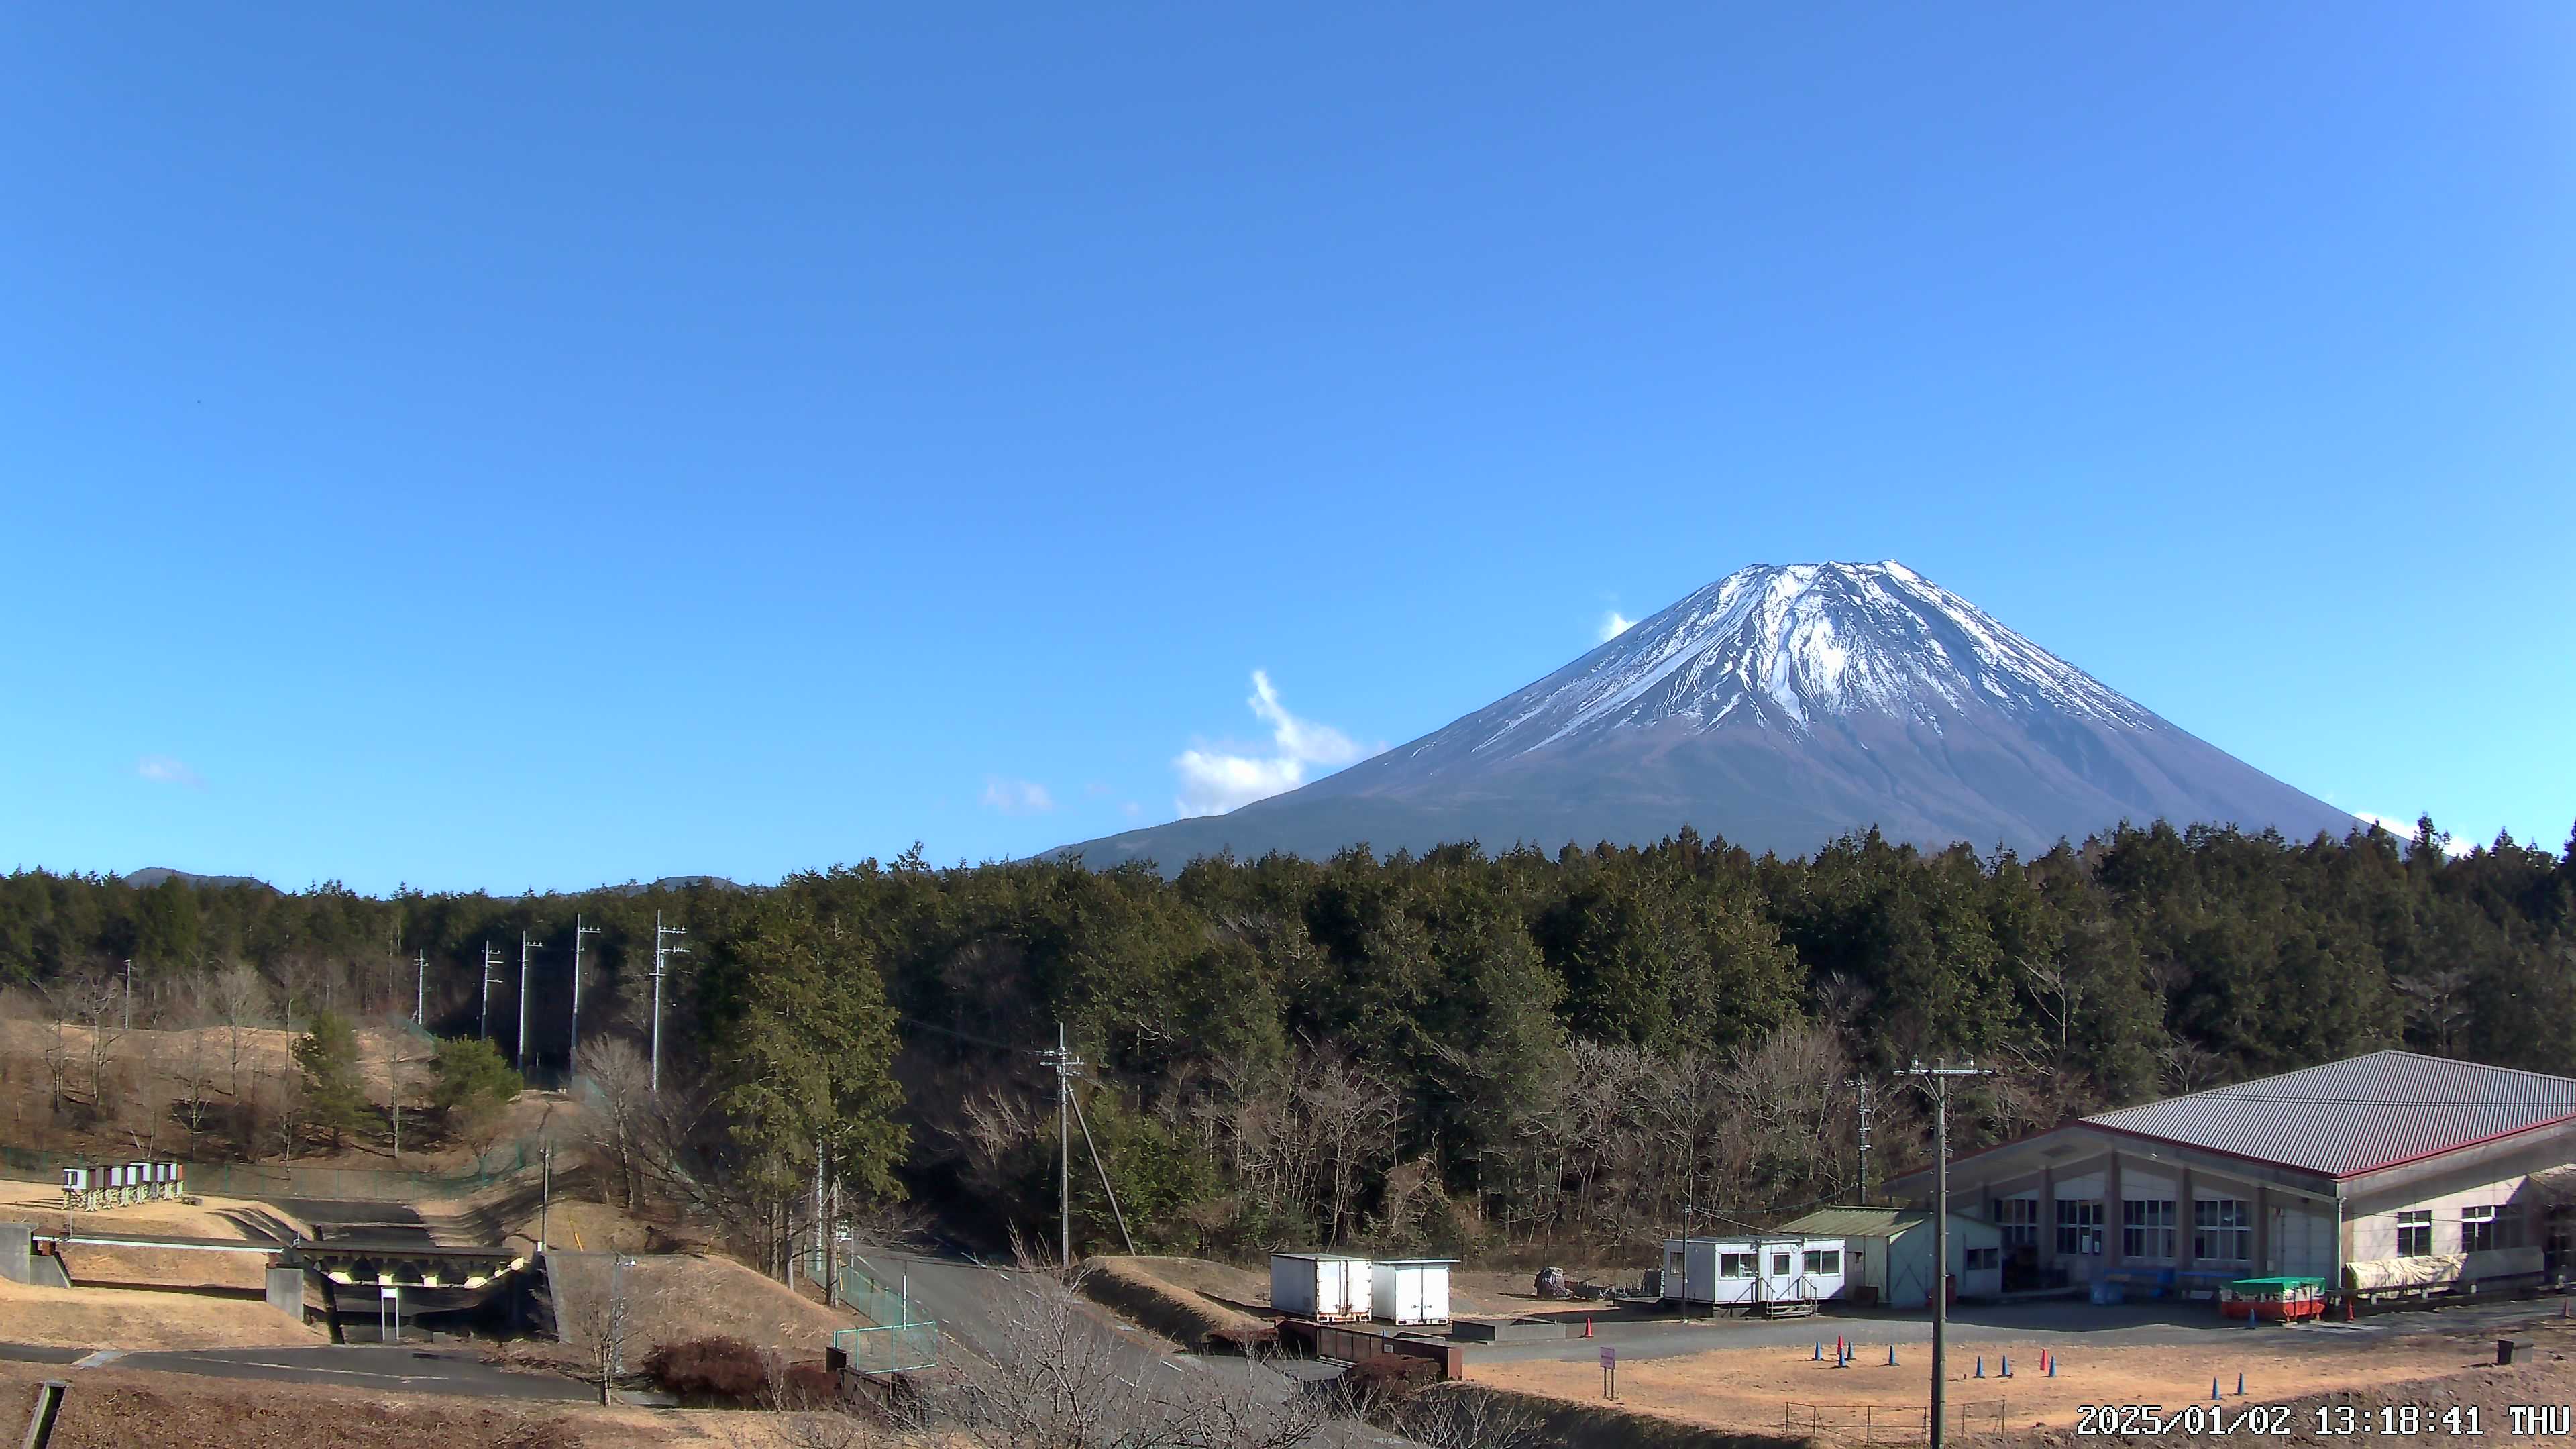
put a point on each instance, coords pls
(1614, 624)
(161, 769)
(2405, 830)
(1016, 797)
(1217, 779)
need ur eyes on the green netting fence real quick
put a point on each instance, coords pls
(287, 1179)
(897, 1338)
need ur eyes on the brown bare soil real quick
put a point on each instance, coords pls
(681, 1297)
(116, 1409)
(138, 1319)
(1752, 1390)
(1501, 1293)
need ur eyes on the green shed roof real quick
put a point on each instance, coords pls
(1856, 1222)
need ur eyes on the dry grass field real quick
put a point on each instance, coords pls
(132, 1319)
(1750, 1390)
(682, 1297)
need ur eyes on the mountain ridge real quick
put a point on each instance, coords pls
(1779, 707)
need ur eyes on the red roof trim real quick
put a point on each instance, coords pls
(2558, 1121)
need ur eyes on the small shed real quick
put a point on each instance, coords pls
(1326, 1287)
(1409, 1290)
(1888, 1253)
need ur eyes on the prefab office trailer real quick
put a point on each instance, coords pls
(1752, 1274)
(1326, 1287)
(1410, 1290)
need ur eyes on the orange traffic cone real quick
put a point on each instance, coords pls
(1587, 1325)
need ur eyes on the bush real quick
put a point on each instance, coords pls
(709, 1368)
(809, 1385)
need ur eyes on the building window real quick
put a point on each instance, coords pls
(2223, 1230)
(2019, 1218)
(1975, 1258)
(2147, 1229)
(2079, 1228)
(2415, 1234)
(2478, 1230)
(1824, 1260)
(1780, 1265)
(1735, 1265)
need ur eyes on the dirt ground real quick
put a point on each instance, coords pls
(265, 1051)
(115, 1409)
(1498, 1293)
(213, 1217)
(676, 1298)
(133, 1319)
(1752, 1389)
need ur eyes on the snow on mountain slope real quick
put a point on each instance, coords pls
(1778, 707)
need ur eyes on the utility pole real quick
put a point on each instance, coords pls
(1065, 1064)
(1937, 1079)
(522, 1047)
(420, 988)
(572, 1044)
(1861, 1085)
(491, 958)
(129, 993)
(659, 966)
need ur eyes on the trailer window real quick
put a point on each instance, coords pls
(1735, 1265)
(1824, 1260)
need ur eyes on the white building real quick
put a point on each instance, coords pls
(2386, 1174)
(1326, 1287)
(1763, 1274)
(1887, 1254)
(1410, 1290)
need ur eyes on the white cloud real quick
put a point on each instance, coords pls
(1131, 809)
(1016, 797)
(1614, 624)
(2405, 830)
(1215, 780)
(164, 770)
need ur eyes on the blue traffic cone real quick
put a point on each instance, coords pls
(2240, 1383)
(1891, 1355)
(2213, 1389)
(1981, 1365)
(1820, 1352)
(2007, 1373)
(2052, 1364)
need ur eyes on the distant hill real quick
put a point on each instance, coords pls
(153, 875)
(682, 883)
(1780, 707)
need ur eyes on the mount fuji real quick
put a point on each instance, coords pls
(1780, 707)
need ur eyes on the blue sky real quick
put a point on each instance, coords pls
(476, 447)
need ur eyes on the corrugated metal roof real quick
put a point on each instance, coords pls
(1854, 1222)
(2356, 1115)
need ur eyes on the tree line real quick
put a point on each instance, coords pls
(1458, 1050)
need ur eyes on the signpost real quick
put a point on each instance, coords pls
(1609, 1372)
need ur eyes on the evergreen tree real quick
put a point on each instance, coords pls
(326, 1058)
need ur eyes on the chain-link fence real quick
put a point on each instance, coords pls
(286, 1179)
(897, 1338)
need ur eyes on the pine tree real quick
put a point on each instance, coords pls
(335, 1095)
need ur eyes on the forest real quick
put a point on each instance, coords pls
(1507, 1055)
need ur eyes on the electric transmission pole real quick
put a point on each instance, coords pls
(1861, 1085)
(420, 988)
(523, 1002)
(1937, 1079)
(659, 966)
(491, 958)
(572, 1046)
(1065, 1064)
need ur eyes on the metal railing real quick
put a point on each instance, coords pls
(897, 1337)
(1887, 1423)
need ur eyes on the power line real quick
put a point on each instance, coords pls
(572, 1043)
(660, 964)
(1938, 1079)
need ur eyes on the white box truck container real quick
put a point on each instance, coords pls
(1410, 1290)
(1326, 1287)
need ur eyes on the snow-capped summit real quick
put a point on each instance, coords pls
(1779, 707)
(1792, 647)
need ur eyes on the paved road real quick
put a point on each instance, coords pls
(412, 1370)
(2058, 1324)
